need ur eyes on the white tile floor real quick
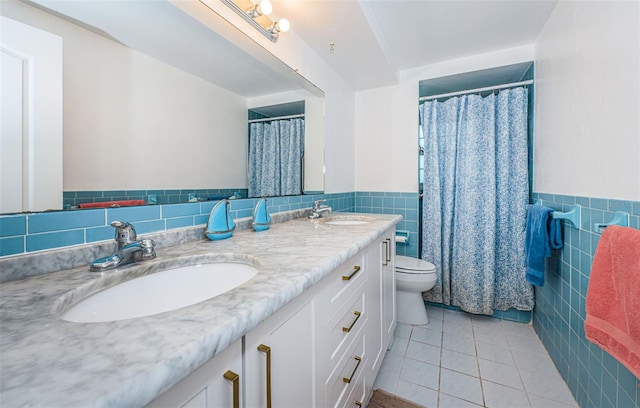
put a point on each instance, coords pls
(463, 360)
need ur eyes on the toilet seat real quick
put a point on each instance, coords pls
(405, 264)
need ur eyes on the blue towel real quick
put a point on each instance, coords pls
(555, 233)
(543, 233)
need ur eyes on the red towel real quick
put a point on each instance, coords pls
(110, 204)
(613, 296)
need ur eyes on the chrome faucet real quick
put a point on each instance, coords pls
(318, 209)
(128, 249)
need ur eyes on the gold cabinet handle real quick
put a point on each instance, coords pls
(348, 380)
(267, 351)
(358, 403)
(348, 329)
(384, 257)
(388, 250)
(234, 378)
(356, 269)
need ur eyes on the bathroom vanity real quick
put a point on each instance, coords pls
(310, 329)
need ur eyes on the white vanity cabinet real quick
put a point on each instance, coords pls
(322, 349)
(218, 383)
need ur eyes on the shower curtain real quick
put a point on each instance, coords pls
(276, 150)
(476, 189)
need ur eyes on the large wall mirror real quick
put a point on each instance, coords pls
(156, 96)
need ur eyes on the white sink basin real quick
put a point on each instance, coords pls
(160, 292)
(348, 219)
(346, 222)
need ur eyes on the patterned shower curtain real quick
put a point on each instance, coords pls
(476, 191)
(276, 150)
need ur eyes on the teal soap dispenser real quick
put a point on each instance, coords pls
(220, 225)
(261, 217)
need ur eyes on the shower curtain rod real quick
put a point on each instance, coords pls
(471, 91)
(301, 115)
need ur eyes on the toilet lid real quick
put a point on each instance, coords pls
(407, 264)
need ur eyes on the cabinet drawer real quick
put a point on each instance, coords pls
(355, 398)
(349, 369)
(341, 328)
(339, 285)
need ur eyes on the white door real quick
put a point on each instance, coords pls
(31, 118)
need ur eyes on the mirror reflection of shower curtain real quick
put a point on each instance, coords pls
(276, 150)
(476, 190)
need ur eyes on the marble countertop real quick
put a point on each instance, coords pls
(45, 361)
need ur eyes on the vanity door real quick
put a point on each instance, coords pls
(387, 262)
(217, 384)
(279, 358)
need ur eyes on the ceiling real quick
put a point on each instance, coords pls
(177, 38)
(375, 39)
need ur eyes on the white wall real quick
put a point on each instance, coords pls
(386, 126)
(587, 92)
(132, 122)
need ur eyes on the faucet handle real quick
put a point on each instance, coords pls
(316, 204)
(125, 233)
(148, 249)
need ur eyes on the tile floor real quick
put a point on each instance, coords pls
(463, 360)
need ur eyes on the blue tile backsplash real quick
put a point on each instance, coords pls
(24, 233)
(65, 220)
(13, 225)
(11, 245)
(75, 198)
(38, 242)
(73, 227)
(595, 378)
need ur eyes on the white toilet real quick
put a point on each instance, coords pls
(413, 276)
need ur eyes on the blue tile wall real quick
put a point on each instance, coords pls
(11, 245)
(37, 242)
(132, 214)
(595, 378)
(75, 198)
(26, 233)
(13, 225)
(65, 220)
(513, 315)
(405, 204)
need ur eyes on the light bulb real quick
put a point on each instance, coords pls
(265, 7)
(283, 25)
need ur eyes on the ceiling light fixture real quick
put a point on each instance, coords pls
(256, 15)
(264, 8)
(281, 26)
